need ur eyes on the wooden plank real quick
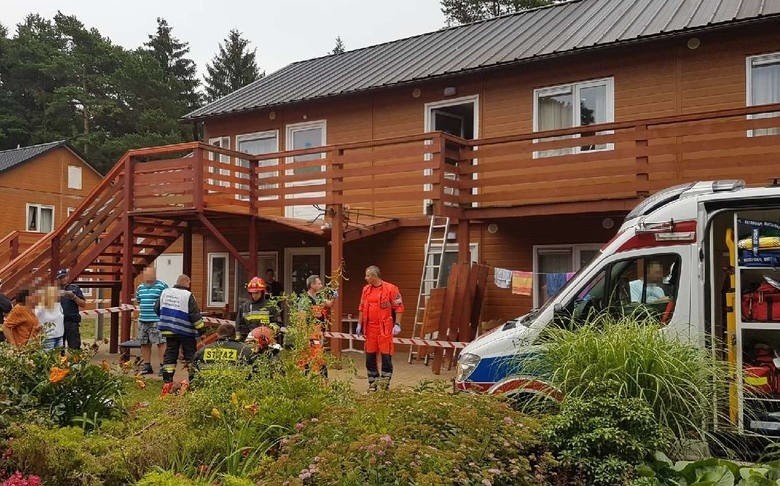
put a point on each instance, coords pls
(446, 316)
(431, 317)
(481, 271)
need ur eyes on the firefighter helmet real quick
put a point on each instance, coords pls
(257, 284)
(262, 335)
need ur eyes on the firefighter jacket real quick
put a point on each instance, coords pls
(224, 351)
(252, 314)
(179, 313)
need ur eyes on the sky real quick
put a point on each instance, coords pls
(283, 31)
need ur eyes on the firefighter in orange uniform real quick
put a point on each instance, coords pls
(379, 320)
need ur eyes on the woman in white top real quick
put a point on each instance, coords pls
(49, 314)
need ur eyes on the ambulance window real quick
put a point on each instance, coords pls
(588, 302)
(646, 286)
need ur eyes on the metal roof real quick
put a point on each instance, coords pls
(13, 157)
(532, 34)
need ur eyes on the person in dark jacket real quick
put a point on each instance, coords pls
(226, 350)
(257, 311)
(72, 301)
(180, 322)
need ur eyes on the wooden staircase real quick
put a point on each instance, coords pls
(92, 241)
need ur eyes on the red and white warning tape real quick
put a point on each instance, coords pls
(130, 307)
(338, 335)
(397, 340)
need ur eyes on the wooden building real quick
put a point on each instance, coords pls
(40, 186)
(535, 133)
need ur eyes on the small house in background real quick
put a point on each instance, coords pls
(40, 186)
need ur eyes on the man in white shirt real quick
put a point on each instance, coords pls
(653, 291)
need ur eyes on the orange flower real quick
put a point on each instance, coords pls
(252, 408)
(140, 384)
(57, 374)
(105, 365)
(63, 359)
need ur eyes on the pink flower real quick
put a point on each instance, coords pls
(304, 475)
(508, 420)
(494, 471)
(388, 440)
(299, 426)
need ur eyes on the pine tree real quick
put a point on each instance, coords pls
(171, 53)
(232, 68)
(339, 46)
(465, 11)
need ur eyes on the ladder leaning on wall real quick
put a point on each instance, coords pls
(435, 247)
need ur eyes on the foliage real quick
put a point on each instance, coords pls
(601, 438)
(629, 357)
(42, 386)
(232, 68)
(408, 437)
(465, 11)
(712, 471)
(63, 81)
(339, 47)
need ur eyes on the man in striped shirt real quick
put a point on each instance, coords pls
(147, 295)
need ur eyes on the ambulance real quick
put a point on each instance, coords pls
(689, 255)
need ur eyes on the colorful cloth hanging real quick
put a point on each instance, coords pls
(522, 282)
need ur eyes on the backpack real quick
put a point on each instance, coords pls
(761, 304)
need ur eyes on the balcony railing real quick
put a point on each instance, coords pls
(400, 176)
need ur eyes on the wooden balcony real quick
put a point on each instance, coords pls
(398, 177)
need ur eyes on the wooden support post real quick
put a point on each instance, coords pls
(187, 251)
(252, 245)
(56, 261)
(113, 345)
(15, 246)
(337, 252)
(127, 278)
(197, 179)
(336, 259)
(464, 248)
(224, 241)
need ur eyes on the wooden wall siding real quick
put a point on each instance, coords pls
(659, 79)
(43, 180)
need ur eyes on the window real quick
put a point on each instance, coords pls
(450, 258)
(643, 286)
(222, 142)
(265, 260)
(573, 105)
(256, 144)
(74, 177)
(71, 211)
(40, 218)
(303, 136)
(763, 87)
(554, 265)
(218, 280)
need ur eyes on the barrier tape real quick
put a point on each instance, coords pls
(130, 307)
(397, 340)
(330, 334)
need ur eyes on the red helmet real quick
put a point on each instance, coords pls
(262, 335)
(257, 284)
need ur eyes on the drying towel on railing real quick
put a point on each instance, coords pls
(503, 278)
(522, 282)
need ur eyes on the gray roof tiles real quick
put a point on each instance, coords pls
(13, 157)
(546, 31)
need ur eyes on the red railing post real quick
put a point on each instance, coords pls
(336, 211)
(126, 289)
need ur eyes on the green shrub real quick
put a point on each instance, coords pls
(631, 358)
(66, 389)
(408, 437)
(712, 471)
(602, 438)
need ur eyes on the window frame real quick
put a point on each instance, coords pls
(264, 134)
(72, 170)
(750, 63)
(39, 207)
(576, 261)
(210, 302)
(574, 88)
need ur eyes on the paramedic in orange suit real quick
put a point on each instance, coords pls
(379, 320)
